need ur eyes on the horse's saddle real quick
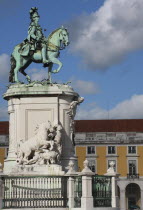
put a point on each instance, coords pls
(25, 49)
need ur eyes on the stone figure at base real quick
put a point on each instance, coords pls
(43, 148)
(39, 49)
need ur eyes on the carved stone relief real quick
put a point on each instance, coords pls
(43, 148)
(72, 113)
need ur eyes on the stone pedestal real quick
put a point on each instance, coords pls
(50, 170)
(87, 198)
(30, 105)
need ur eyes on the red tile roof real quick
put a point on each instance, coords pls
(130, 125)
(4, 128)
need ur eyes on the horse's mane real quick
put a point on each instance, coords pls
(51, 34)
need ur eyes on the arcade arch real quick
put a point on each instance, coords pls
(133, 195)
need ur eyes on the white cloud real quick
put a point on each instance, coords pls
(4, 67)
(4, 77)
(84, 87)
(129, 109)
(38, 74)
(106, 36)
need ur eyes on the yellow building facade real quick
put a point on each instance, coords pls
(120, 141)
(4, 141)
(2, 154)
(102, 157)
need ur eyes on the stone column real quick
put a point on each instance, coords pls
(12, 145)
(122, 199)
(11, 159)
(141, 205)
(71, 192)
(87, 198)
(71, 173)
(115, 199)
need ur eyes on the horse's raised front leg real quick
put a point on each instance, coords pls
(56, 61)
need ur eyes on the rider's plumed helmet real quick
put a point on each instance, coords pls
(33, 12)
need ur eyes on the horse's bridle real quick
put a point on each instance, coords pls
(52, 47)
(64, 40)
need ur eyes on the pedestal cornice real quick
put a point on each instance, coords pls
(21, 90)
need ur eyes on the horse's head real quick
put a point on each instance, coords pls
(64, 36)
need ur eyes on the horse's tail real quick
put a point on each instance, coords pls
(13, 65)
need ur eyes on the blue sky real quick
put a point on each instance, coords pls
(104, 61)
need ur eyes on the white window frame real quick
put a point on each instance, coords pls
(87, 150)
(132, 158)
(112, 153)
(128, 150)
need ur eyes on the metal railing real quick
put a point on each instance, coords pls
(132, 176)
(78, 191)
(101, 191)
(52, 191)
(35, 192)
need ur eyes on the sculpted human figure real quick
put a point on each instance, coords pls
(35, 39)
(72, 113)
(73, 106)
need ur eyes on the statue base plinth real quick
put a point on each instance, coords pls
(31, 105)
(51, 170)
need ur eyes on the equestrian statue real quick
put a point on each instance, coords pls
(38, 49)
